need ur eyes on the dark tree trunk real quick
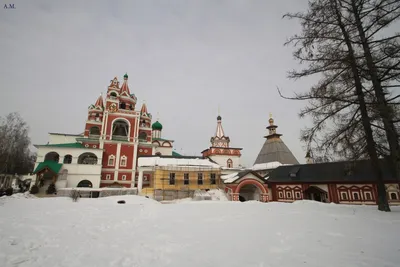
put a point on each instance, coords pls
(383, 108)
(382, 200)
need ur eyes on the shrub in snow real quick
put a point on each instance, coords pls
(74, 195)
(34, 189)
(9, 191)
(121, 201)
(51, 189)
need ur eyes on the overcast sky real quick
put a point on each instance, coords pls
(184, 58)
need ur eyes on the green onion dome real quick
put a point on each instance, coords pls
(156, 126)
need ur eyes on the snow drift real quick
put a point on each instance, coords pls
(52, 232)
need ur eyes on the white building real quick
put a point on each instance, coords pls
(67, 163)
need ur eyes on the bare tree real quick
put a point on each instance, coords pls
(341, 104)
(382, 58)
(15, 155)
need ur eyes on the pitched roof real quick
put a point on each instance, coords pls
(219, 139)
(219, 132)
(275, 150)
(125, 87)
(51, 165)
(175, 154)
(343, 171)
(99, 102)
(143, 110)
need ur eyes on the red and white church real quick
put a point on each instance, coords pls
(105, 154)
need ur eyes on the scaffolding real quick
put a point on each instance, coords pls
(177, 182)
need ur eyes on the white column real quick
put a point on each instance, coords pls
(140, 181)
(117, 159)
(135, 150)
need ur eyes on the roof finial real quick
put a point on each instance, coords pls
(219, 114)
(271, 120)
(158, 116)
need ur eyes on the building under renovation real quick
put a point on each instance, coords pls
(168, 178)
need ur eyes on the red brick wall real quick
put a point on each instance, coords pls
(89, 125)
(127, 174)
(104, 175)
(127, 150)
(109, 149)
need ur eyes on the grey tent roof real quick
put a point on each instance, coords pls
(275, 150)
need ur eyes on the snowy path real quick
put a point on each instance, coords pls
(99, 232)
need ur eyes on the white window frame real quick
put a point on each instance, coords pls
(123, 177)
(280, 194)
(288, 194)
(365, 196)
(125, 160)
(298, 195)
(346, 198)
(111, 157)
(358, 194)
(108, 176)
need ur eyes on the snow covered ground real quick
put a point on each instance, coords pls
(50, 232)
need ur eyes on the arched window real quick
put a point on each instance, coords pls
(122, 105)
(142, 136)
(85, 183)
(95, 130)
(229, 163)
(393, 196)
(111, 160)
(120, 130)
(87, 158)
(67, 159)
(123, 161)
(52, 156)
(113, 95)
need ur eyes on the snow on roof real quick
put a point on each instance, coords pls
(157, 161)
(229, 178)
(234, 168)
(268, 165)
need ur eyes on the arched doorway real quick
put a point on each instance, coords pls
(250, 192)
(316, 193)
(85, 183)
